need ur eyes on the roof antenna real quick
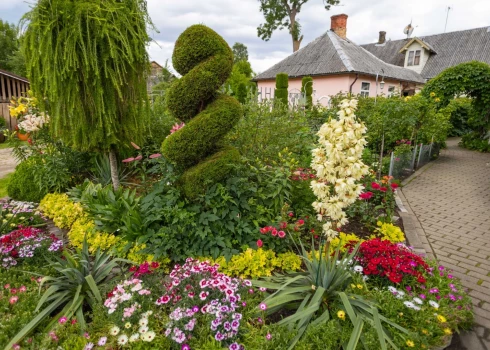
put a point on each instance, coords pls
(408, 29)
(447, 16)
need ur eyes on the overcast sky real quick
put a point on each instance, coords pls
(237, 20)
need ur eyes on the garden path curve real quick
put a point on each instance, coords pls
(451, 200)
(7, 162)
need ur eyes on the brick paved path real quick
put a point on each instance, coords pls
(7, 162)
(451, 200)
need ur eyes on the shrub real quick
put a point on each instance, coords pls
(23, 185)
(307, 90)
(205, 60)
(281, 91)
(474, 142)
(61, 209)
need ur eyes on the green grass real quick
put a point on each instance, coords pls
(3, 185)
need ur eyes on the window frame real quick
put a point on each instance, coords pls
(413, 55)
(391, 90)
(364, 92)
(416, 58)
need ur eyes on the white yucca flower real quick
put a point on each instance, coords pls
(338, 165)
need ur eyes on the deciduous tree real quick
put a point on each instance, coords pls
(240, 52)
(280, 14)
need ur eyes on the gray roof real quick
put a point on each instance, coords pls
(451, 49)
(330, 54)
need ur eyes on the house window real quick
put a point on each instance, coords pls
(413, 58)
(391, 90)
(365, 89)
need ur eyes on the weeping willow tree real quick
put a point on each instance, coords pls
(88, 59)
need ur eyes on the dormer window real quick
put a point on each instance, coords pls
(413, 58)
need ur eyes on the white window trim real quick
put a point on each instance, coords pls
(411, 63)
(363, 92)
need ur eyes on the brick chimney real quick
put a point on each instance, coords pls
(339, 25)
(382, 37)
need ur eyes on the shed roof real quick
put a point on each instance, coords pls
(13, 76)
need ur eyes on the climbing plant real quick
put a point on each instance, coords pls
(205, 61)
(89, 59)
(471, 79)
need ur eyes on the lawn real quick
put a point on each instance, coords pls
(3, 185)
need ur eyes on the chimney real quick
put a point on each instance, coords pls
(382, 37)
(339, 25)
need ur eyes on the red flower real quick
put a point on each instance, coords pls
(155, 265)
(283, 225)
(274, 232)
(300, 222)
(133, 269)
(375, 186)
(383, 189)
(291, 214)
(394, 186)
(260, 243)
(281, 234)
(366, 195)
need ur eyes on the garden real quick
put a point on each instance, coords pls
(201, 220)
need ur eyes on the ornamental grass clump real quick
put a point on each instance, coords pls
(338, 165)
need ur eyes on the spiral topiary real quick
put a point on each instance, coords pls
(205, 61)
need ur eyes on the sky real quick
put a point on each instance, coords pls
(237, 21)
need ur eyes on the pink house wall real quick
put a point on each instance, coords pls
(326, 86)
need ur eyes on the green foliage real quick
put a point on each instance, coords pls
(205, 61)
(281, 92)
(307, 90)
(471, 79)
(240, 52)
(474, 142)
(279, 14)
(266, 129)
(11, 58)
(241, 93)
(462, 116)
(73, 291)
(23, 185)
(219, 222)
(310, 294)
(89, 59)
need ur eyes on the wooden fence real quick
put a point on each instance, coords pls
(11, 85)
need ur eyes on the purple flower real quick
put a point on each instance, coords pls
(234, 346)
(263, 306)
(259, 320)
(219, 336)
(268, 336)
(441, 268)
(408, 288)
(450, 276)
(102, 341)
(433, 290)
(452, 297)
(422, 296)
(185, 347)
(195, 308)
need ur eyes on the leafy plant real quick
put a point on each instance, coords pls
(102, 172)
(312, 292)
(75, 290)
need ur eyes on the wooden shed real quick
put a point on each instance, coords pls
(11, 85)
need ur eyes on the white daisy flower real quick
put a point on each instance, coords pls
(149, 336)
(143, 322)
(134, 337)
(114, 331)
(392, 289)
(143, 329)
(409, 304)
(358, 268)
(433, 304)
(418, 301)
(122, 340)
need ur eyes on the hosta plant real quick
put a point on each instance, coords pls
(74, 290)
(313, 292)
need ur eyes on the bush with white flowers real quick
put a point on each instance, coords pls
(338, 165)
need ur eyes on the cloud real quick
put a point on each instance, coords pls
(237, 20)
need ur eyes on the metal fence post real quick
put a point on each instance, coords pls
(392, 163)
(412, 165)
(430, 148)
(420, 154)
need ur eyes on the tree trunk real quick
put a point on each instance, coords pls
(297, 44)
(114, 172)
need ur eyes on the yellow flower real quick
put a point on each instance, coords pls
(425, 331)
(341, 314)
(127, 325)
(353, 286)
(448, 331)
(359, 286)
(437, 99)
(441, 319)
(410, 344)
(432, 94)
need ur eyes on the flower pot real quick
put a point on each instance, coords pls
(23, 137)
(447, 342)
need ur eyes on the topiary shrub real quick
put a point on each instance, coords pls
(281, 91)
(307, 90)
(241, 93)
(23, 186)
(205, 61)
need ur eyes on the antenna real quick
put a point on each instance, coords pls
(408, 30)
(447, 16)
